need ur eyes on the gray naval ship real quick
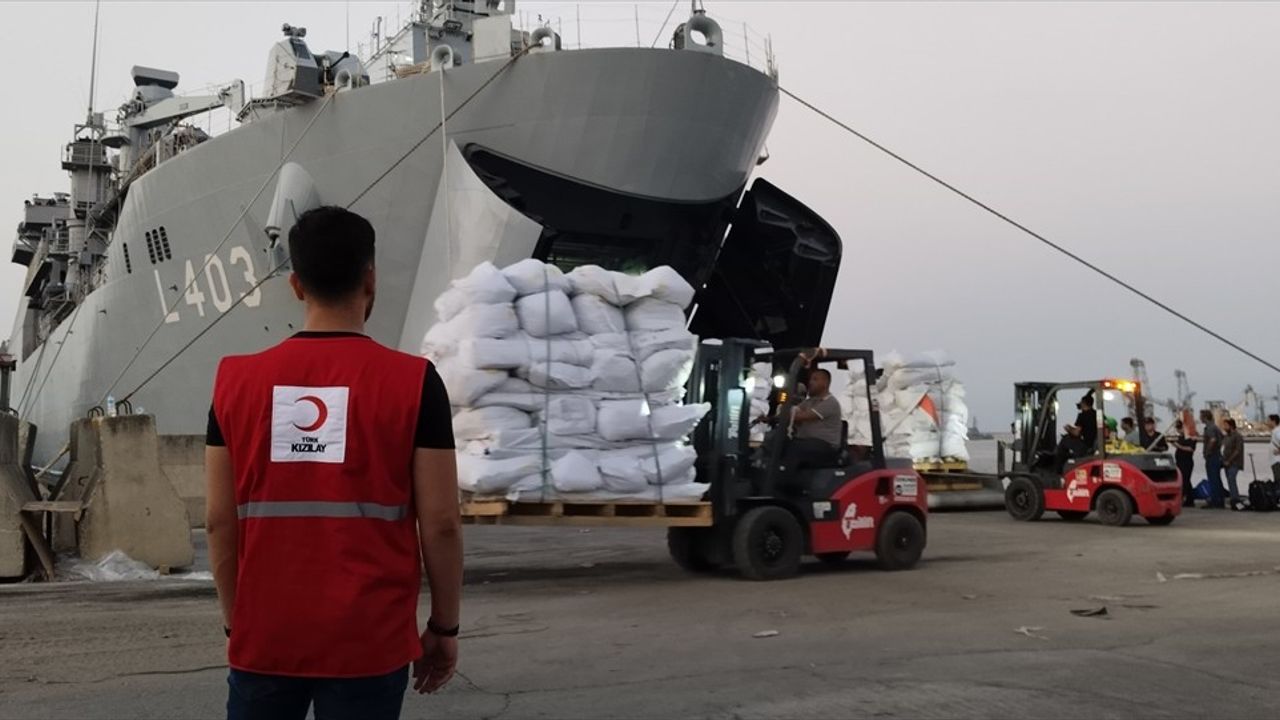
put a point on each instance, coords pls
(463, 139)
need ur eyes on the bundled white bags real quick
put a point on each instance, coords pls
(569, 384)
(923, 415)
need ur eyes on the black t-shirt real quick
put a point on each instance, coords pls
(435, 418)
(1087, 421)
(1189, 453)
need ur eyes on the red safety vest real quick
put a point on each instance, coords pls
(321, 436)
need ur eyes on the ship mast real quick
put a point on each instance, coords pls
(93, 62)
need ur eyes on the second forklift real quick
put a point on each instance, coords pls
(1100, 474)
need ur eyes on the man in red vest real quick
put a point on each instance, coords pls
(331, 483)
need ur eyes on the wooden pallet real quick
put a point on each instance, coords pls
(491, 511)
(943, 466)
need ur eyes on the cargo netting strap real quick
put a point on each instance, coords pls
(941, 409)
(546, 387)
(646, 408)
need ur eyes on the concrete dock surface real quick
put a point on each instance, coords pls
(568, 623)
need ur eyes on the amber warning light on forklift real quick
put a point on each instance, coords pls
(1124, 386)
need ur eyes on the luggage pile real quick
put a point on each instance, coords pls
(569, 385)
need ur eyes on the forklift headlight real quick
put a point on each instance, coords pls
(779, 381)
(1108, 395)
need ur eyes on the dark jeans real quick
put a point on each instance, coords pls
(1275, 471)
(1186, 467)
(1213, 469)
(808, 452)
(1231, 485)
(277, 697)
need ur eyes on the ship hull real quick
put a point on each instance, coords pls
(680, 126)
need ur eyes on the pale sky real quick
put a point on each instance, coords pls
(1141, 135)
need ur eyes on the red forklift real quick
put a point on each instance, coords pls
(768, 516)
(1069, 477)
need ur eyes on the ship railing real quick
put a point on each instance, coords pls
(609, 25)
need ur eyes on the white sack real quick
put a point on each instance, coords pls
(647, 342)
(483, 422)
(485, 475)
(465, 384)
(482, 321)
(559, 376)
(618, 343)
(666, 369)
(576, 472)
(615, 373)
(570, 415)
(596, 316)
(523, 401)
(494, 353)
(614, 287)
(664, 283)
(620, 420)
(546, 313)
(652, 314)
(531, 276)
(621, 472)
(484, 285)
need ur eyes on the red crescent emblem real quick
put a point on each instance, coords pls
(322, 413)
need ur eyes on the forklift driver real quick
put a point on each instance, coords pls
(1080, 439)
(815, 424)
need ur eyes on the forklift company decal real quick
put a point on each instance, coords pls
(1078, 487)
(1111, 472)
(851, 521)
(905, 486)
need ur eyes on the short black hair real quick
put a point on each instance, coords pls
(1231, 423)
(1274, 418)
(1127, 421)
(1149, 420)
(1087, 400)
(822, 371)
(330, 248)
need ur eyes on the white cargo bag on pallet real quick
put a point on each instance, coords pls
(653, 314)
(596, 316)
(479, 423)
(546, 313)
(531, 276)
(484, 285)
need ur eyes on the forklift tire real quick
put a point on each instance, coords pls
(767, 544)
(1073, 515)
(900, 542)
(834, 559)
(688, 547)
(1024, 499)
(1114, 507)
(1162, 520)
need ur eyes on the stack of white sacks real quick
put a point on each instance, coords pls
(923, 415)
(568, 386)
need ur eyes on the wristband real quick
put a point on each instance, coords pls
(438, 631)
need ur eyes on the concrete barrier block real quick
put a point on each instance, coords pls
(182, 460)
(82, 448)
(13, 493)
(131, 505)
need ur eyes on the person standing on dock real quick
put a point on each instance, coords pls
(1273, 423)
(331, 482)
(1212, 451)
(1184, 456)
(1233, 460)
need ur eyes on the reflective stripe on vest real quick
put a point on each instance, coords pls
(319, 509)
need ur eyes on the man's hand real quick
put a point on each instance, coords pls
(439, 659)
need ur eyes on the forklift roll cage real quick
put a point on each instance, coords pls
(722, 378)
(1036, 410)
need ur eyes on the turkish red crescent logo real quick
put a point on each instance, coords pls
(322, 413)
